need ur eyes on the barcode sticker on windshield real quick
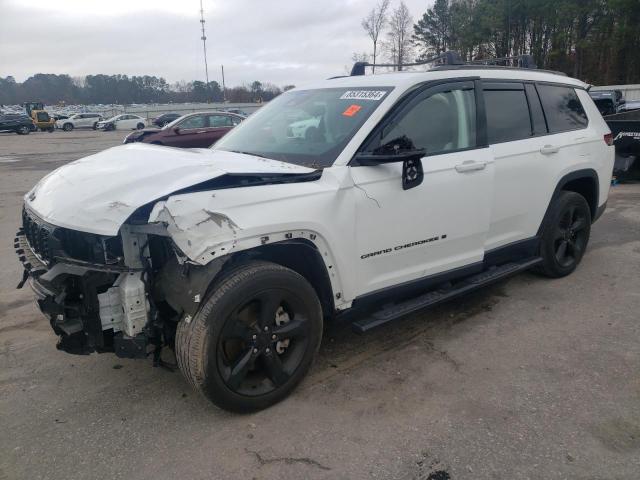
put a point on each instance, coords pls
(375, 95)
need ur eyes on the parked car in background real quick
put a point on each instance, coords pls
(125, 121)
(79, 120)
(194, 130)
(629, 105)
(165, 119)
(607, 101)
(18, 123)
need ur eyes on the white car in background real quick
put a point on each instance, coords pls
(79, 120)
(125, 121)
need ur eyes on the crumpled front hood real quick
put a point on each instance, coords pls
(96, 194)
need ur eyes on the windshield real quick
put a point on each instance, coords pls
(305, 127)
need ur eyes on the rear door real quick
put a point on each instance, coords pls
(441, 224)
(218, 126)
(81, 121)
(529, 155)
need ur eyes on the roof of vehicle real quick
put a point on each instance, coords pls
(408, 78)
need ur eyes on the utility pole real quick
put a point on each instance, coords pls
(224, 89)
(204, 44)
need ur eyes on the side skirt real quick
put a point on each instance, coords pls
(435, 297)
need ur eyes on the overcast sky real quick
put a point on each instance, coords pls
(277, 41)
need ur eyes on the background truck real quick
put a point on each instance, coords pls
(625, 128)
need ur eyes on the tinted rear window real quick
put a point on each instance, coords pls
(562, 108)
(507, 115)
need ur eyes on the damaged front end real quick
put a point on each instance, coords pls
(122, 294)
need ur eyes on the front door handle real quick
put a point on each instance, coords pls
(470, 166)
(549, 149)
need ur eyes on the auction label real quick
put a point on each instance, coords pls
(374, 95)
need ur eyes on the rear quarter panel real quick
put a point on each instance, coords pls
(602, 156)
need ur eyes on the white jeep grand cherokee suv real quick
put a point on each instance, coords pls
(406, 189)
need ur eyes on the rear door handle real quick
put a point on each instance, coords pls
(470, 166)
(549, 149)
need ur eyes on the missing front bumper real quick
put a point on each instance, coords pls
(68, 294)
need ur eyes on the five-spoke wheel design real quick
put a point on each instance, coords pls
(254, 337)
(565, 234)
(263, 342)
(571, 236)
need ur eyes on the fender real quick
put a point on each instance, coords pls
(587, 173)
(203, 237)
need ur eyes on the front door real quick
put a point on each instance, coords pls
(192, 133)
(441, 224)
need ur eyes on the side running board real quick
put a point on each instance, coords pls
(435, 297)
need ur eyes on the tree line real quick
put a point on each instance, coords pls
(122, 89)
(597, 41)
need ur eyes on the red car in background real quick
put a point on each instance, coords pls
(194, 130)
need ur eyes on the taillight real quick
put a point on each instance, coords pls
(608, 139)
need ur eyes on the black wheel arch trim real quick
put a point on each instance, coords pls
(588, 173)
(197, 281)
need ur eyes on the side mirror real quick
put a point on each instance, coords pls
(176, 130)
(412, 172)
(369, 159)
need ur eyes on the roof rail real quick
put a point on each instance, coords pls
(451, 58)
(522, 61)
(446, 58)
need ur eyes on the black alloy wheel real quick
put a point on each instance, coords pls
(565, 235)
(253, 339)
(571, 236)
(263, 342)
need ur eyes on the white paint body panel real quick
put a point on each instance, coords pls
(96, 194)
(450, 204)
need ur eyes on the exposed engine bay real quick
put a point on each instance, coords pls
(118, 294)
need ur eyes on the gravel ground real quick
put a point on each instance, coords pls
(530, 378)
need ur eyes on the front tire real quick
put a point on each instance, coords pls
(67, 127)
(23, 130)
(253, 339)
(565, 235)
(109, 127)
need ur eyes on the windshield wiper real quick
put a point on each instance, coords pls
(248, 153)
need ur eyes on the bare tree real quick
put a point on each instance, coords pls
(398, 45)
(360, 57)
(374, 23)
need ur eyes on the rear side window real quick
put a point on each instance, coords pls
(562, 108)
(507, 113)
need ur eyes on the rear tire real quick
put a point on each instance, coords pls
(23, 130)
(233, 350)
(140, 126)
(565, 235)
(95, 126)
